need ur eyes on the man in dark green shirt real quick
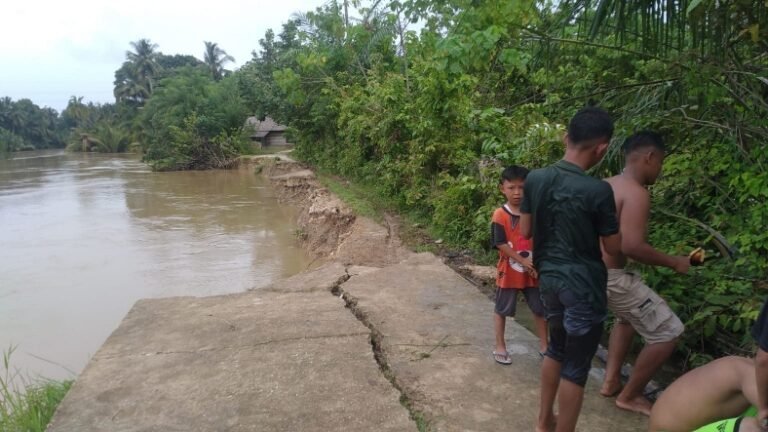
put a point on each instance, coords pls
(568, 213)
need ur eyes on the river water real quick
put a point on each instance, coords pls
(83, 236)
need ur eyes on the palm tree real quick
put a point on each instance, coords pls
(135, 80)
(215, 58)
(144, 60)
(76, 113)
(661, 26)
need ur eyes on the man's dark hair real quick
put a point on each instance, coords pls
(589, 124)
(513, 172)
(642, 140)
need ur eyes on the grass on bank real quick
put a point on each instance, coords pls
(27, 405)
(416, 229)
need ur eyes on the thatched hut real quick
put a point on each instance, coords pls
(267, 132)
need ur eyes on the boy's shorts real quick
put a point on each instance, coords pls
(728, 425)
(634, 302)
(506, 301)
(575, 327)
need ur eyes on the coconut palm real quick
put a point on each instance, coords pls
(661, 26)
(135, 80)
(215, 58)
(144, 59)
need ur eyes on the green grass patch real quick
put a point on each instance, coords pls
(358, 197)
(27, 405)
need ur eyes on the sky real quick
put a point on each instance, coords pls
(51, 50)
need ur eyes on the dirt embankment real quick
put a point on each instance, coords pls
(327, 226)
(330, 229)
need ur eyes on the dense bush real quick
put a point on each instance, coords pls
(429, 118)
(193, 122)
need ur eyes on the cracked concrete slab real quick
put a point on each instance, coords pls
(257, 361)
(436, 334)
(323, 278)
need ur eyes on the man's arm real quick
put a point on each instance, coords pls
(526, 226)
(634, 225)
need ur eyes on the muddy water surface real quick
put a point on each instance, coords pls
(82, 237)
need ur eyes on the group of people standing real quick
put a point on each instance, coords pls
(564, 239)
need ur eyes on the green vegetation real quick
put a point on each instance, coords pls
(359, 198)
(430, 117)
(193, 122)
(26, 126)
(28, 407)
(422, 102)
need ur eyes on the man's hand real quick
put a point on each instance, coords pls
(681, 264)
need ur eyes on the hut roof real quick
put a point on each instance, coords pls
(264, 127)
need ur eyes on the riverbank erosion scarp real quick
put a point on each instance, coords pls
(377, 338)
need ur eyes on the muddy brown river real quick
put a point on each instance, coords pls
(83, 236)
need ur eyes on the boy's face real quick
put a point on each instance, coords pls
(513, 191)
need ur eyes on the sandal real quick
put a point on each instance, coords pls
(502, 358)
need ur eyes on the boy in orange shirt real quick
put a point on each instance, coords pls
(515, 271)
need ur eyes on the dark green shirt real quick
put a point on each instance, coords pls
(570, 211)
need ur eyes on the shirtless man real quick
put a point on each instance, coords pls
(722, 389)
(635, 305)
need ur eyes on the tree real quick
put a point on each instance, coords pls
(75, 114)
(171, 64)
(144, 59)
(135, 80)
(215, 58)
(30, 126)
(177, 61)
(193, 122)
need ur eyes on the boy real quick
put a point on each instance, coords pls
(515, 270)
(717, 397)
(568, 213)
(636, 306)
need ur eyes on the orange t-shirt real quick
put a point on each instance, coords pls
(505, 229)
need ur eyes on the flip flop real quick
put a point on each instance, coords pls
(502, 358)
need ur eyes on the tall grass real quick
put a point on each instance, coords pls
(27, 405)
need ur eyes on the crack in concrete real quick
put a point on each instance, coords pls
(238, 348)
(380, 355)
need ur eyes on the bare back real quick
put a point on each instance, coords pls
(632, 210)
(721, 389)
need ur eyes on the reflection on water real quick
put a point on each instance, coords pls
(83, 236)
